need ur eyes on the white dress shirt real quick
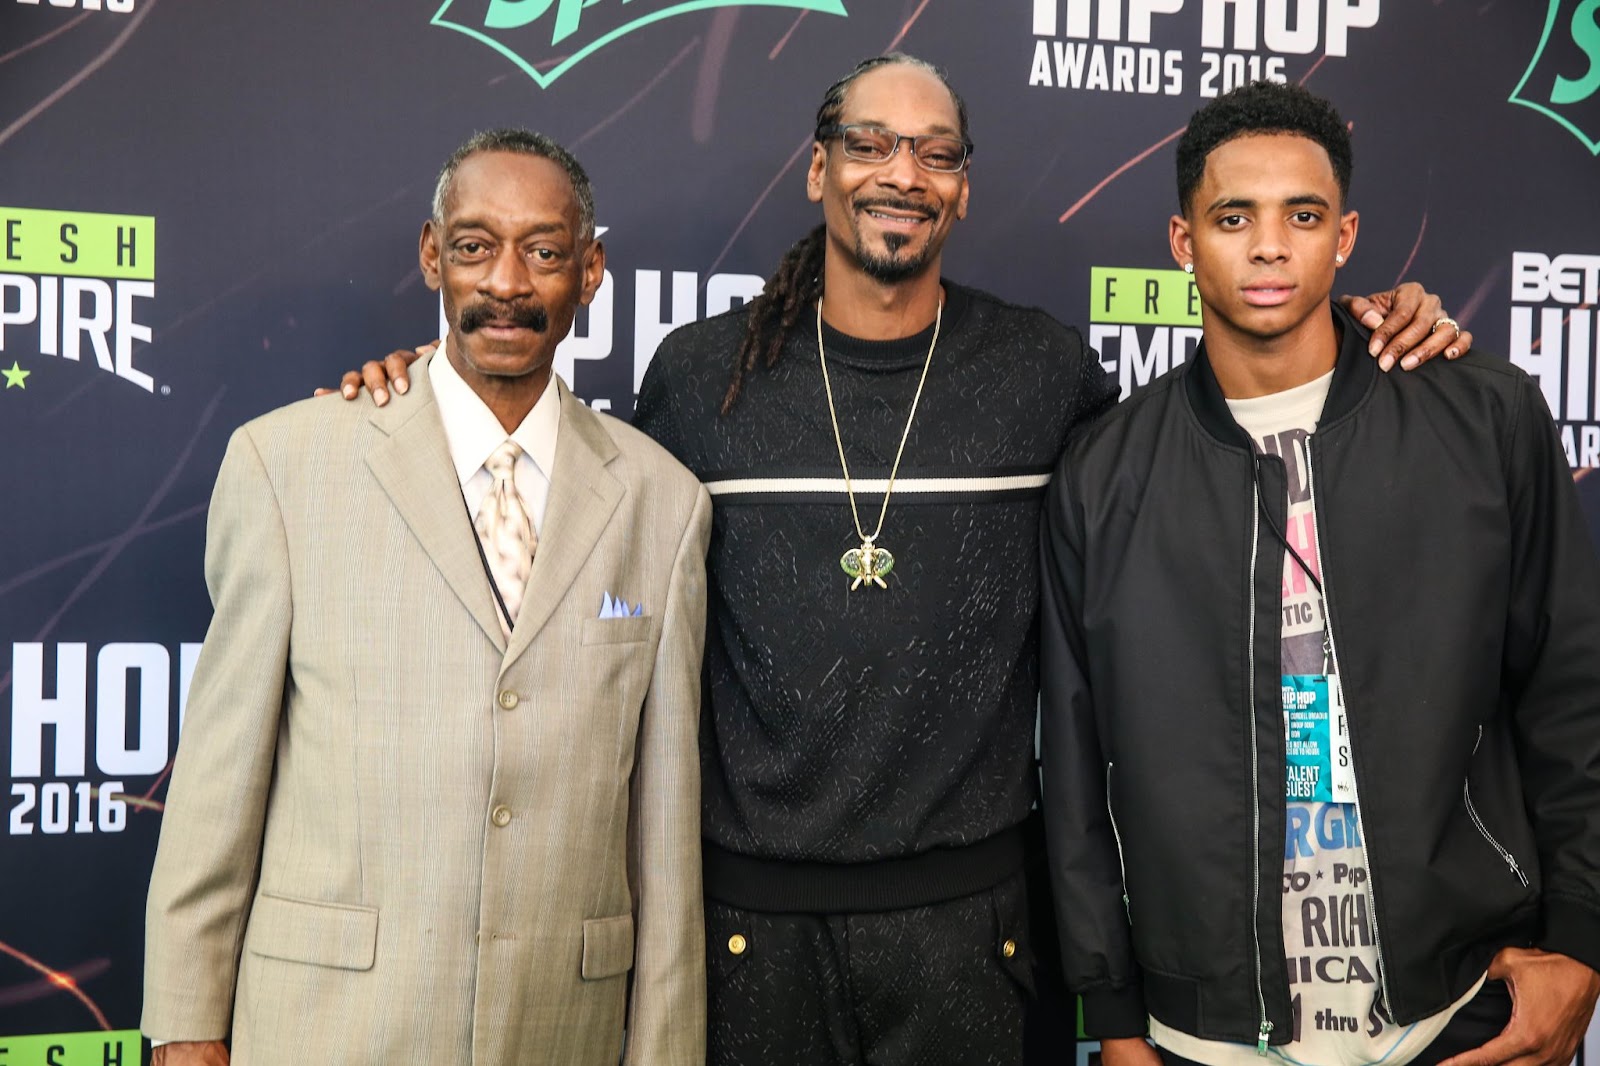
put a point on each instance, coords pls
(473, 433)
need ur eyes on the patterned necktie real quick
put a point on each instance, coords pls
(506, 531)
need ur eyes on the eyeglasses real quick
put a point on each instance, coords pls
(874, 144)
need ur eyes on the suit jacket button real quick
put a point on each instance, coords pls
(508, 700)
(1009, 948)
(501, 816)
(737, 944)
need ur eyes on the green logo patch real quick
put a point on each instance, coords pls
(1563, 78)
(547, 38)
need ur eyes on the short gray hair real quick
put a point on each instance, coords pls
(524, 142)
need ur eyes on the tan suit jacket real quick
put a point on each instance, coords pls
(392, 838)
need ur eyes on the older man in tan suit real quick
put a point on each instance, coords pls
(446, 812)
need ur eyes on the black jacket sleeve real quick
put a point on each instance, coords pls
(1552, 676)
(1084, 854)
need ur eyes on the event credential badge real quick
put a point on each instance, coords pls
(1317, 765)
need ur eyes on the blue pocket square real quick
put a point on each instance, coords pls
(616, 607)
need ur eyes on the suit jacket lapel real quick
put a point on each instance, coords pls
(583, 495)
(413, 465)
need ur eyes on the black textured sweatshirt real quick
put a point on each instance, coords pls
(849, 726)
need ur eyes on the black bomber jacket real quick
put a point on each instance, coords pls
(1463, 599)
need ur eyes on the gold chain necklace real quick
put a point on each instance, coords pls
(869, 563)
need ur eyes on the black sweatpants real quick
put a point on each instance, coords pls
(928, 986)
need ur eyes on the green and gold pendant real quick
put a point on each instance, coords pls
(867, 563)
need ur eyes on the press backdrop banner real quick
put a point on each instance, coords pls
(206, 210)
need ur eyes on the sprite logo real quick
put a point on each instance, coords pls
(547, 38)
(1563, 79)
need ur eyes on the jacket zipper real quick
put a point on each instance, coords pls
(1472, 812)
(1122, 864)
(1265, 1031)
(1333, 649)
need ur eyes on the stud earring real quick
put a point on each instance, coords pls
(1339, 259)
(1188, 268)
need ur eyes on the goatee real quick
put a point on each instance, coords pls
(889, 267)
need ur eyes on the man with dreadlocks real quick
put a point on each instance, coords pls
(876, 452)
(876, 448)
(877, 440)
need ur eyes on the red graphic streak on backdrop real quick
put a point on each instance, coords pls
(1415, 248)
(640, 95)
(146, 802)
(79, 78)
(1123, 169)
(63, 981)
(121, 541)
(703, 110)
(27, 992)
(1148, 152)
(1564, 322)
(785, 38)
(805, 146)
(45, 39)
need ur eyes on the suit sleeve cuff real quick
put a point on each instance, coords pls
(1114, 1013)
(1572, 929)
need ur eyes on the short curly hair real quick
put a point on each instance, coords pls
(1261, 107)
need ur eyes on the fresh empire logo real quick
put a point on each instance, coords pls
(547, 38)
(1563, 78)
(1142, 322)
(74, 285)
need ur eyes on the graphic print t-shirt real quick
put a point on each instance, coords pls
(1328, 933)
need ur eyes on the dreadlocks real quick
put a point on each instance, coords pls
(794, 286)
(797, 283)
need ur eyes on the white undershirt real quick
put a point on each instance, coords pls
(1336, 1006)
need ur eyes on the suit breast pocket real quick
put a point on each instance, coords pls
(632, 630)
(616, 656)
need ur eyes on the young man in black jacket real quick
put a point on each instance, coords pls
(1321, 667)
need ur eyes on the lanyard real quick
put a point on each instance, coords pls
(494, 586)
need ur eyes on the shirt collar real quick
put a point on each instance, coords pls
(472, 430)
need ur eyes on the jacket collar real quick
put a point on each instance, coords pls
(414, 466)
(1354, 374)
(583, 496)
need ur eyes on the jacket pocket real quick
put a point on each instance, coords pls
(1483, 830)
(1116, 834)
(730, 939)
(339, 935)
(1013, 940)
(607, 947)
(616, 630)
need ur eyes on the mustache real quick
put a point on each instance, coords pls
(519, 313)
(896, 204)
